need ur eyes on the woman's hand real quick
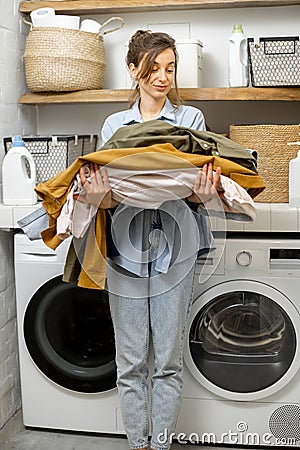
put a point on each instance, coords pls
(96, 188)
(206, 184)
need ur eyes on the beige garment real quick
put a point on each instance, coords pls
(148, 189)
(75, 217)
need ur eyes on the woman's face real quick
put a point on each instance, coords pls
(162, 77)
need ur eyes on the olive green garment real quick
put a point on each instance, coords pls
(183, 139)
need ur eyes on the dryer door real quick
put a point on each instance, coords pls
(69, 334)
(243, 340)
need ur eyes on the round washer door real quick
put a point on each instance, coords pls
(243, 340)
(69, 334)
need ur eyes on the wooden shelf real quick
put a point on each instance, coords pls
(122, 6)
(200, 94)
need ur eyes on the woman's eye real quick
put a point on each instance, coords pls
(169, 70)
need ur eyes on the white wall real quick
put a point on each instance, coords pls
(213, 28)
(14, 119)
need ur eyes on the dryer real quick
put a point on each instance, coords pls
(66, 345)
(241, 375)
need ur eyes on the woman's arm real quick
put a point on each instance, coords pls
(106, 131)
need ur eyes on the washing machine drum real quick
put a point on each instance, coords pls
(242, 342)
(69, 334)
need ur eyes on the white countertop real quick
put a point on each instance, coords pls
(271, 217)
(274, 217)
(9, 215)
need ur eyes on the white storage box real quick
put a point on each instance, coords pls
(190, 64)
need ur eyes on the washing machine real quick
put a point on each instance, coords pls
(66, 345)
(241, 358)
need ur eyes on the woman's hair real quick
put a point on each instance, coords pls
(145, 46)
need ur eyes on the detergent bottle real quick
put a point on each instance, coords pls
(238, 58)
(18, 175)
(294, 182)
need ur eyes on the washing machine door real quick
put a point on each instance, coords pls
(243, 340)
(69, 334)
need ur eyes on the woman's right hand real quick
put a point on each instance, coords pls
(96, 188)
(206, 184)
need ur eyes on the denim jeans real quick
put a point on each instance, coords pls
(159, 321)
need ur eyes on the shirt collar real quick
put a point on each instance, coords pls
(133, 114)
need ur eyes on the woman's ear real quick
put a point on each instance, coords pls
(133, 71)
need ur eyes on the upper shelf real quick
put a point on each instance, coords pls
(192, 94)
(122, 6)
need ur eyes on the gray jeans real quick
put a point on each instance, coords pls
(159, 319)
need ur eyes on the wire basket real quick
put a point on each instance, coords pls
(61, 59)
(274, 144)
(274, 61)
(52, 154)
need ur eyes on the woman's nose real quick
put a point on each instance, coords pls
(162, 74)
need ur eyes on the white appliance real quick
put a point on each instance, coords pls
(66, 345)
(242, 378)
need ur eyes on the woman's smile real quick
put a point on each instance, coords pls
(160, 87)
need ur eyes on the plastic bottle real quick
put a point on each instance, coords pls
(18, 185)
(238, 58)
(294, 182)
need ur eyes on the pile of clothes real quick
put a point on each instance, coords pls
(148, 164)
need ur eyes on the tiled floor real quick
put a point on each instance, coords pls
(14, 436)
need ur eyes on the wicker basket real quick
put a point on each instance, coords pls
(273, 144)
(61, 59)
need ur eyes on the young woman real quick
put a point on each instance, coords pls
(150, 299)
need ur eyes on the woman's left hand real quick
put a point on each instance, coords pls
(206, 184)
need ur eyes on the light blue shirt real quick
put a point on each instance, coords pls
(184, 116)
(133, 231)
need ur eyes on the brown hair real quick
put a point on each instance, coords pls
(146, 46)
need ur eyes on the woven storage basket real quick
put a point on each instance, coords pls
(272, 143)
(60, 59)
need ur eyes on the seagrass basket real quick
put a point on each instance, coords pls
(61, 59)
(276, 146)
